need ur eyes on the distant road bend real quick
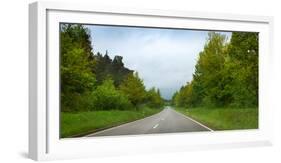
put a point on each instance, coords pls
(166, 121)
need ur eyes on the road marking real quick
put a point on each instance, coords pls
(156, 126)
(162, 119)
(193, 120)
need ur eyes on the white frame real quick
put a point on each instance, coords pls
(44, 143)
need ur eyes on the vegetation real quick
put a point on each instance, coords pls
(223, 93)
(82, 123)
(134, 88)
(92, 82)
(107, 97)
(224, 118)
(77, 81)
(104, 67)
(153, 98)
(94, 86)
(226, 74)
(99, 92)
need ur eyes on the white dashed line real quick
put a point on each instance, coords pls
(156, 126)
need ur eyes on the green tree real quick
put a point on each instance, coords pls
(154, 98)
(75, 73)
(186, 97)
(75, 35)
(107, 97)
(226, 74)
(118, 71)
(134, 88)
(76, 76)
(104, 67)
(208, 71)
(243, 68)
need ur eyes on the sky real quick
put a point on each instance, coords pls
(164, 58)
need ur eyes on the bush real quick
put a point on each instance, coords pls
(75, 102)
(107, 97)
(154, 99)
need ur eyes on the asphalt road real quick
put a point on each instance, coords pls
(166, 121)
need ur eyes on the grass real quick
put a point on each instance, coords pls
(82, 123)
(224, 118)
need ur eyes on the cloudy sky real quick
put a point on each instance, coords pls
(164, 58)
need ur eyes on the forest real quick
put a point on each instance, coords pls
(226, 74)
(223, 93)
(92, 82)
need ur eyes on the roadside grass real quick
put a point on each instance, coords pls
(224, 118)
(83, 123)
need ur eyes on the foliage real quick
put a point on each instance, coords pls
(105, 68)
(76, 77)
(186, 96)
(243, 52)
(226, 74)
(106, 97)
(95, 81)
(134, 88)
(154, 98)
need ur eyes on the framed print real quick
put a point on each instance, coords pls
(111, 81)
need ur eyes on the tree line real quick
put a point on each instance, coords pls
(226, 73)
(93, 81)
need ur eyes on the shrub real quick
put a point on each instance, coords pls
(107, 97)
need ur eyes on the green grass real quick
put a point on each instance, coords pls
(82, 123)
(224, 118)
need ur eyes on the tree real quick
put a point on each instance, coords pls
(105, 67)
(154, 98)
(134, 88)
(243, 68)
(76, 35)
(226, 74)
(76, 76)
(207, 76)
(75, 73)
(107, 97)
(102, 67)
(118, 71)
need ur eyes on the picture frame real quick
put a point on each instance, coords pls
(44, 140)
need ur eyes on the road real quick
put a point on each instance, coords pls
(166, 121)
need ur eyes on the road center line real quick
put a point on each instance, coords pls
(156, 126)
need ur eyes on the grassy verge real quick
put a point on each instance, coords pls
(82, 123)
(224, 118)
